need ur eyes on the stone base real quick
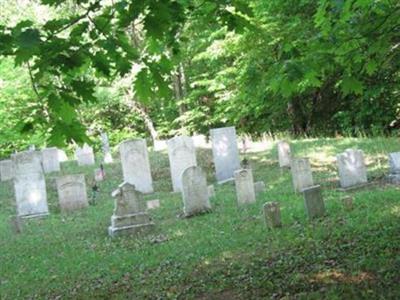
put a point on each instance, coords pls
(130, 230)
(41, 215)
(394, 179)
(355, 187)
(130, 220)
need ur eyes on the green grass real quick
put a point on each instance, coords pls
(226, 254)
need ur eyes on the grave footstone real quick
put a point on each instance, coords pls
(71, 191)
(352, 169)
(394, 164)
(313, 201)
(6, 170)
(107, 157)
(225, 153)
(284, 154)
(244, 186)
(50, 160)
(182, 154)
(136, 165)
(272, 214)
(259, 187)
(301, 173)
(194, 192)
(85, 155)
(347, 202)
(129, 215)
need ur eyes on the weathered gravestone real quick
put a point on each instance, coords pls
(129, 213)
(259, 187)
(50, 160)
(272, 214)
(182, 155)
(6, 170)
(136, 165)
(225, 153)
(352, 169)
(194, 192)
(29, 184)
(284, 154)
(313, 202)
(85, 155)
(244, 186)
(107, 159)
(301, 173)
(394, 164)
(71, 191)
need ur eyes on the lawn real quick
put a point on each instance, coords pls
(226, 254)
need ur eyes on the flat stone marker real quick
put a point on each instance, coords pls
(50, 160)
(244, 186)
(136, 165)
(130, 215)
(71, 191)
(105, 144)
(259, 187)
(153, 204)
(272, 214)
(211, 191)
(194, 192)
(313, 202)
(394, 164)
(85, 155)
(225, 153)
(182, 155)
(6, 170)
(347, 202)
(351, 167)
(301, 174)
(284, 154)
(29, 184)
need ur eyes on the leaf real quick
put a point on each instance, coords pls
(350, 85)
(142, 85)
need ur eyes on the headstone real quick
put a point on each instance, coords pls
(194, 192)
(99, 174)
(352, 169)
(29, 184)
(313, 202)
(50, 160)
(394, 164)
(62, 156)
(153, 204)
(301, 174)
(259, 187)
(211, 191)
(6, 170)
(136, 165)
(85, 155)
(71, 191)
(182, 155)
(347, 202)
(107, 159)
(225, 153)
(129, 213)
(244, 186)
(272, 214)
(284, 154)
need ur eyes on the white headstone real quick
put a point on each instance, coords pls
(182, 155)
(284, 154)
(136, 165)
(50, 160)
(6, 170)
(394, 164)
(352, 169)
(29, 184)
(194, 192)
(107, 159)
(225, 153)
(244, 186)
(85, 155)
(301, 174)
(72, 192)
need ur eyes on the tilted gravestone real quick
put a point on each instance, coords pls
(244, 184)
(107, 157)
(182, 155)
(136, 165)
(29, 184)
(71, 191)
(194, 192)
(225, 153)
(301, 174)
(272, 214)
(129, 215)
(6, 170)
(313, 202)
(85, 155)
(50, 160)
(352, 169)
(394, 164)
(284, 154)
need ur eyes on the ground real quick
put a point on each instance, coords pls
(226, 254)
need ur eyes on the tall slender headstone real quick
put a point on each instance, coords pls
(72, 192)
(85, 155)
(50, 160)
(29, 184)
(394, 164)
(194, 192)
(107, 159)
(301, 174)
(284, 154)
(6, 170)
(244, 184)
(225, 153)
(136, 165)
(313, 201)
(272, 214)
(352, 169)
(182, 154)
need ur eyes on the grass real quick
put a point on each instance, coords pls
(226, 254)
